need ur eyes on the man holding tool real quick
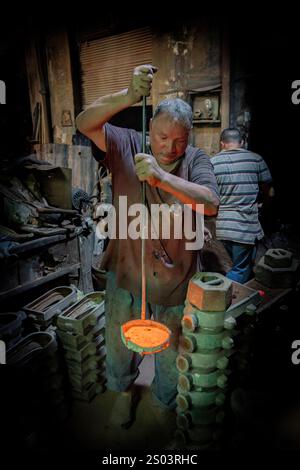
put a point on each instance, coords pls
(175, 173)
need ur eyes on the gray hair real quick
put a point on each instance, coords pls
(231, 135)
(177, 109)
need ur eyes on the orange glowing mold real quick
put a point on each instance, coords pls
(145, 336)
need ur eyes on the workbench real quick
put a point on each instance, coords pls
(253, 292)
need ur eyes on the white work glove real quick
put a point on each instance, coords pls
(141, 82)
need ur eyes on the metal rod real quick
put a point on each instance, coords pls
(143, 231)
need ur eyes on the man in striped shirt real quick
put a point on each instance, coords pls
(240, 174)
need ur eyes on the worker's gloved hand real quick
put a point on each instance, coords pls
(147, 169)
(141, 82)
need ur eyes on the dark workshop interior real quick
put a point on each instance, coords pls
(53, 183)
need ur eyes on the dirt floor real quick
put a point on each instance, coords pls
(92, 425)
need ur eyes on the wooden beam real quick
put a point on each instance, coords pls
(60, 86)
(37, 91)
(225, 77)
(37, 244)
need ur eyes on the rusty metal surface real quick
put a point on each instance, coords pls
(210, 291)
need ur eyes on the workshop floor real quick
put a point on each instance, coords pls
(91, 428)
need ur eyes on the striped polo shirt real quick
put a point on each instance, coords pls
(238, 174)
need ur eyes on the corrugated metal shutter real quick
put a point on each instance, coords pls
(107, 63)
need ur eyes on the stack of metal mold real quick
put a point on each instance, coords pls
(11, 327)
(43, 311)
(81, 331)
(277, 269)
(38, 373)
(205, 346)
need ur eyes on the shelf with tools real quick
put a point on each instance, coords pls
(207, 118)
(207, 121)
(44, 236)
(37, 262)
(69, 269)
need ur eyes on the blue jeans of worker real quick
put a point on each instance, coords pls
(242, 256)
(121, 363)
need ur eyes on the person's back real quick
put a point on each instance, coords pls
(240, 173)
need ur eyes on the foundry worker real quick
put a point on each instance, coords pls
(175, 173)
(240, 174)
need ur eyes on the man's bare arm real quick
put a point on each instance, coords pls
(147, 169)
(90, 122)
(190, 193)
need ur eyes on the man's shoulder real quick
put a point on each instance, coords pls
(195, 152)
(219, 157)
(238, 153)
(118, 132)
(251, 154)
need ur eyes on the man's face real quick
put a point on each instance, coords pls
(168, 139)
